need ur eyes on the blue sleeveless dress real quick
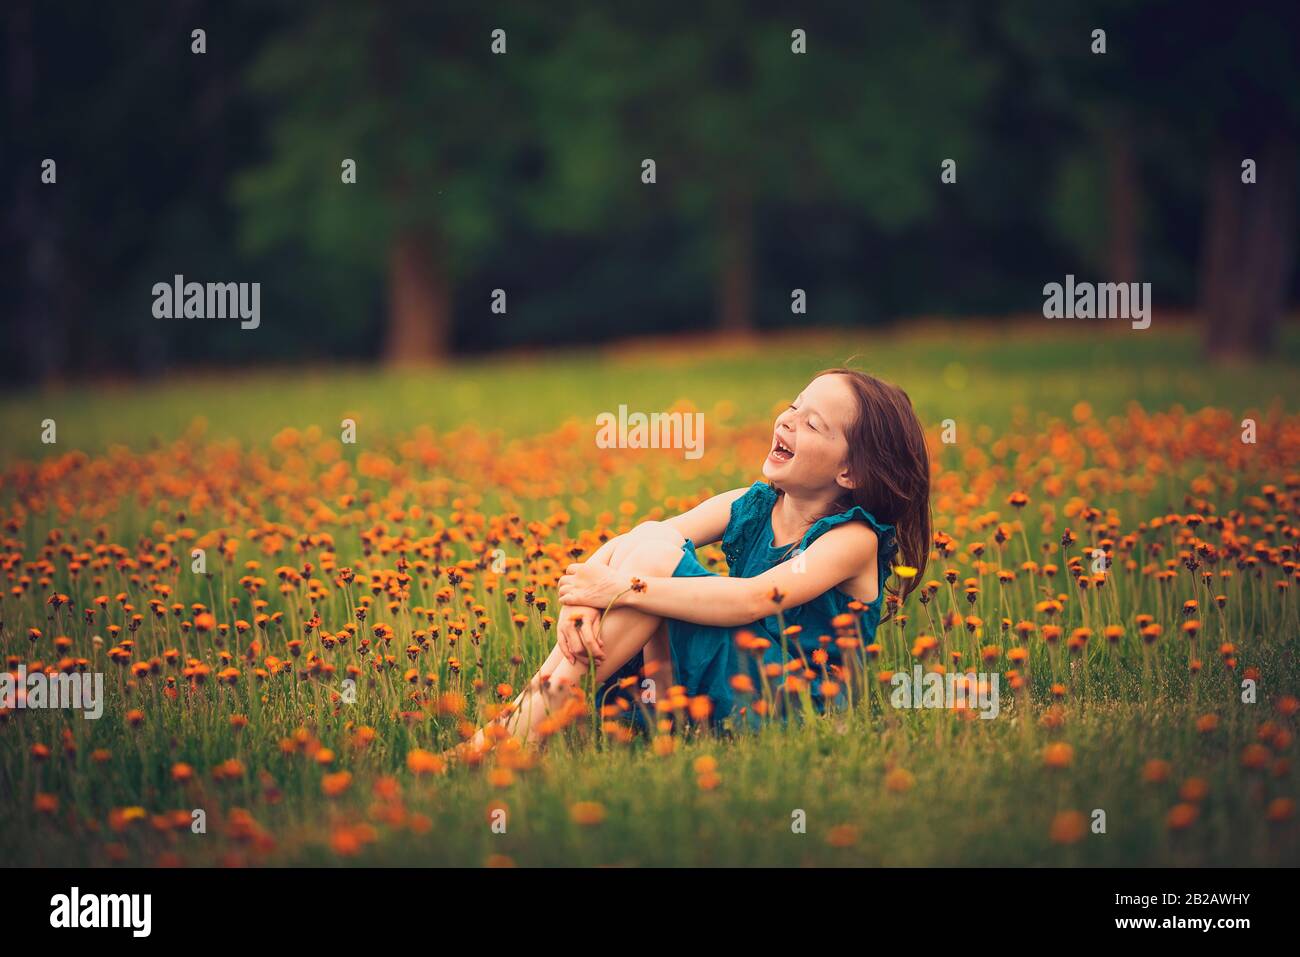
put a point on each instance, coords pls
(706, 657)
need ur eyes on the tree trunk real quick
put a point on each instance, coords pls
(1248, 250)
(419, 287)
(736, 276)
(419, 309)
(1122, 190)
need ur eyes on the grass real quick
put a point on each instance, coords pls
(987, 374)
(1132, 424)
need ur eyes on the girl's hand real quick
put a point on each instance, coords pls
(578, 630)
(592, 584)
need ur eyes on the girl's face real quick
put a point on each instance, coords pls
(809, 451)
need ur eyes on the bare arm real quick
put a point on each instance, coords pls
(703, 525)
(706, 522)
(838, 556)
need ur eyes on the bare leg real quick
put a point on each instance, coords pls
(658, 658)
(624, 631)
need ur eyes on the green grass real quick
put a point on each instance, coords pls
(984, 374)
(979, 792)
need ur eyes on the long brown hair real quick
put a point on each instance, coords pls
(890, 467)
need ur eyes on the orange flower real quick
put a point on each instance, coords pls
(332, 785)
(452, 703)
(424, 762)
(1255, 757)
(899, 781)
(842, 835)
(119, 819)
(346, 841)
(1181, 816)
(46, 803)
(1156, 771)
(1068, 827)
(587, 813)
(1058, 755)
(1280, 810)
(742, 684)
(705, 764)
(1194, 790)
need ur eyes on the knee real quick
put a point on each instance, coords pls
(655, 531)
(656, 557)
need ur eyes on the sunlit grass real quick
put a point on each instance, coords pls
(1125, 440)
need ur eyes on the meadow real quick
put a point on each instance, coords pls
(1106, 543)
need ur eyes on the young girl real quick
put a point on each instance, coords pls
(847, 492)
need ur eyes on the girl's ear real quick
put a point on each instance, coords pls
(844, 480)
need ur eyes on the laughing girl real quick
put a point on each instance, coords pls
(846, 496)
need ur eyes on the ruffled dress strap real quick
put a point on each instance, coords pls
(886, 538)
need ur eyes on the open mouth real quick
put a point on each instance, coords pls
(781, 452)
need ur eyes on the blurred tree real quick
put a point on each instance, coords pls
(746, 107)
(776, 169)
(438, 126)
(1232, 78)
(1084, 83)
(1207, 86)
(142, 131)
(31, 241)
(1221, 83)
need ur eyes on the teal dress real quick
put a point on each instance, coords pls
(706, 657)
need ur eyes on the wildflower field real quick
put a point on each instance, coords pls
(1109, 541)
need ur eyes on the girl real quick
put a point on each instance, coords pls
(847, 490)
